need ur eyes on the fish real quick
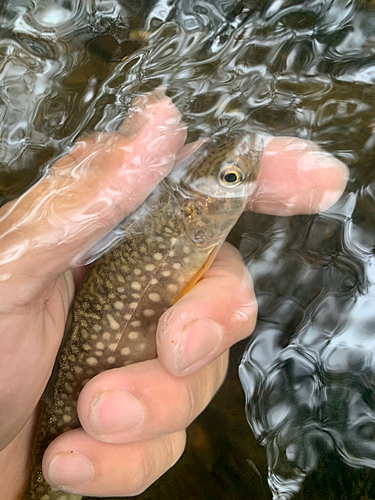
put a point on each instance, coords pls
(166, 246)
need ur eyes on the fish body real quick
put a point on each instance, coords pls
(167, 245)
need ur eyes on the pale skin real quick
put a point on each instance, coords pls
(120, 451)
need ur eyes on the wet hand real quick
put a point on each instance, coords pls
(133, 418)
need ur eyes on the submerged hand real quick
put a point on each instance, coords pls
(138, 432)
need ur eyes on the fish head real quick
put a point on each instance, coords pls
(217, 186)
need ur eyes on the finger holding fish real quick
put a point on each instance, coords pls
(297, 177)
(87, 192)
(196, 330)
(111, 470)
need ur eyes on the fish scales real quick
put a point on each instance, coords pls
(171, 239)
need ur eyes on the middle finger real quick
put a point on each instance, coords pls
(144, 400)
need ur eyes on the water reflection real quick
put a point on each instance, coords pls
(286, 67)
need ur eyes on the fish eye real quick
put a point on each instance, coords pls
(231, 176)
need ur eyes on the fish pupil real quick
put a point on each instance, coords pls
(230, 177)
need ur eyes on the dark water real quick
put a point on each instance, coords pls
(305, 69)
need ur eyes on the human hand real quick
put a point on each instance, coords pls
(61, 217)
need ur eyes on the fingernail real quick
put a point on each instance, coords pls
(70, 469)
(115, 411)
(159, 93)
(199, 339)
(322, 159)
(172, 120)
(329, 198)
(150, 98)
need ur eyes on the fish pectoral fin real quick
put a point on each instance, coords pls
(199, 274)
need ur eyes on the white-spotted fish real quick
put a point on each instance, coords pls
(171, 240)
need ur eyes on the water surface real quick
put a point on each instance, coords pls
(300, 68)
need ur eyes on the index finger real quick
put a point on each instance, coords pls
(86, 193)
(297, 177)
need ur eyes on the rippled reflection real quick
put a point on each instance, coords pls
(305, 69)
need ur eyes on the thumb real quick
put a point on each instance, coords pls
(85, 194)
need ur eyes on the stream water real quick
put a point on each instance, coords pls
(299, 68)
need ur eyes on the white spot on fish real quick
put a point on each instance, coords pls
(186, 260)
(166, 273)
(125, 351)
(106, 335)
(153, 281)
(78, 369)
(97, 328)
(135, 324)
(118, 305)
(111, 360)
(148, 313)
(172, 287)
(127, 317)
(112, 347)
(186, 249)
(154, 297)
(150, 267)
(92, 361)
(133, 335)
(158, 256)
(100, 345)
(135, 295)
(86, 347)
(176, 265)
(67, 418)
(121, 289)
(133, 305)
(171, 253)
(112, 322)
(136, 285)
(137, 272)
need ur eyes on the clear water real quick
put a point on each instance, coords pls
(301, 68)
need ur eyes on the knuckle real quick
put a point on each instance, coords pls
(246, 310)
(161, 454)
(202, 386)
